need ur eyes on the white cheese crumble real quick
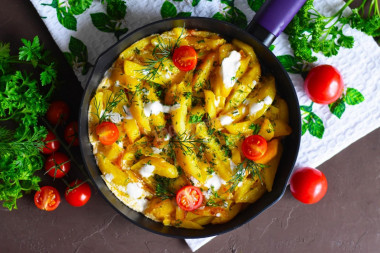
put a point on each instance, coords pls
(117, 83)
(120, 144)
(109, 177)
(240, 184)
(134, 190)
(230, 66)
(195, 181)
(218, 215)
(235, 113)
(215, 181)
(225, 120)
(156, 107)
(147, 170)
(156, 150)
(115, 117)
(255, 107)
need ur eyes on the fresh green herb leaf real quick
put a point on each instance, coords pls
(255, 127)
(337, 108)
(195, 2)
(184, 14)
(232, 15)
(168, 10)
(195, 118)
(163, 187)
(112, 101)
(255, 5)
(214, 199)
(116, 9)
(247, 167)
(31, 51)
(311, 122)
(292, 64)
(77, 7)
(78, 56)
(353, 97)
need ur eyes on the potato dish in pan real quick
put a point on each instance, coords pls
(186, 129)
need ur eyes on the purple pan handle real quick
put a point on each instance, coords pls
(273, 17)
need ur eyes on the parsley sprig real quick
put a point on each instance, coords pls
(23, 100)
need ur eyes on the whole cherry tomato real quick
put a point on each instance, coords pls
(51, 144)
(308, 185)
(254, 147)
(47, 198)
(324, 84)
(71, 133)
(108, 132)
(78, 193)
(58, 112)
(189, 198)
(185, 58)
(57, 165)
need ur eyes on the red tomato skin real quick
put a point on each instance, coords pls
(308, 185)
(183, 192)
(108, 132)
(254, 147)
(185, 58)
(71, 133)
(40, 198)
(78, 196)
(59, 158)
(324, 84)
(58, 112)
(51, 143)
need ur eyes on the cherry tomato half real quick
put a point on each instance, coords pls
(185, 58)
(189, 198)
(51, 144)
(71, 133)
(324, 84)
(58, 112)
(107, 132)
(254, 147)
(57, 165)
(78, 193)
(308, 185)
(47, 198)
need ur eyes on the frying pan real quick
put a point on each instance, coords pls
(268, 23)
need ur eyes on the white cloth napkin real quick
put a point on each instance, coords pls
(359, 67)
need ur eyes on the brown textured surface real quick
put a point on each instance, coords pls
(346, 220)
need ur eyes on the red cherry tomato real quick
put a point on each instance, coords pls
(51, 144)
(189, 198)
(71, 133)
(78, 193)
(57, 165)
(254, 147)
(107, 132)
(308, 185)
(185, 58)
(324, 84)
(47, 198)
(58, 112)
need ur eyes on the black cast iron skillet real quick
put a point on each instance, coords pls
(269, 18)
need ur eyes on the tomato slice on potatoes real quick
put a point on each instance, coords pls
(254, 147)
(107, 132)
(51, 143)
(47, 198)
(185, 58)
(189, 198)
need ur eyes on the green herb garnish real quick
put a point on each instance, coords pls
(247, 166)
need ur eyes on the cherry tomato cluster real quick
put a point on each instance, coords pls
(58, 164)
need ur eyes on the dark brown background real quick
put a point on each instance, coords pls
(346, 220)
